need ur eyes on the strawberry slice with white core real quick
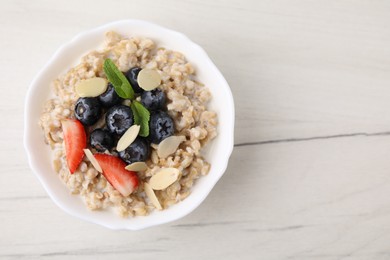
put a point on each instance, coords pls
(114, 170)
(75, 141)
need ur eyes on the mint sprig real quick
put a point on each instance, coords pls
(141, 117)
(118, 80)
(124, 89)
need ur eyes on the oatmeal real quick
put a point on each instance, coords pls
(173, 162)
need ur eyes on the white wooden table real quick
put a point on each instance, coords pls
(310, 175)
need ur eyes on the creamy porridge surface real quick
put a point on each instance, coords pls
(186, 103)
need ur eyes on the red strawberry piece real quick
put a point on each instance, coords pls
(114, 170)
(75, 141)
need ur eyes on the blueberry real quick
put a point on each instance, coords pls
(160, 126)
(131, 76)
(138, 151)
(87, 110)
(153, 100)
(110, 97)
(118, 119)
(101, 140)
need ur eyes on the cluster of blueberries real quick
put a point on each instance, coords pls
(119, 118)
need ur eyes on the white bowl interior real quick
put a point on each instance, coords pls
(217, 153)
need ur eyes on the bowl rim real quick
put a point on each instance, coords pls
(28, 146)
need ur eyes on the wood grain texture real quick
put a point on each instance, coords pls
(309, 177)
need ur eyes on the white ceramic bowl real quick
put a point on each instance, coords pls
(217, 153)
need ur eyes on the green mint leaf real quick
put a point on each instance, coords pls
(137, 117)
(141, 117)
(118, 80)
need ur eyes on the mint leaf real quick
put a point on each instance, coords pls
(118, 80)
(141, 117)
(137, 117)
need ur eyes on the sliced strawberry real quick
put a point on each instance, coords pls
(114, 170)
(75, 141)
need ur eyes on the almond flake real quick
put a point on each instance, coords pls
(169, 145)
(92, 87)
(137, 167)
(164, 178)
(128, 138)
(150, 193)
(93, 161)
(148, 79)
